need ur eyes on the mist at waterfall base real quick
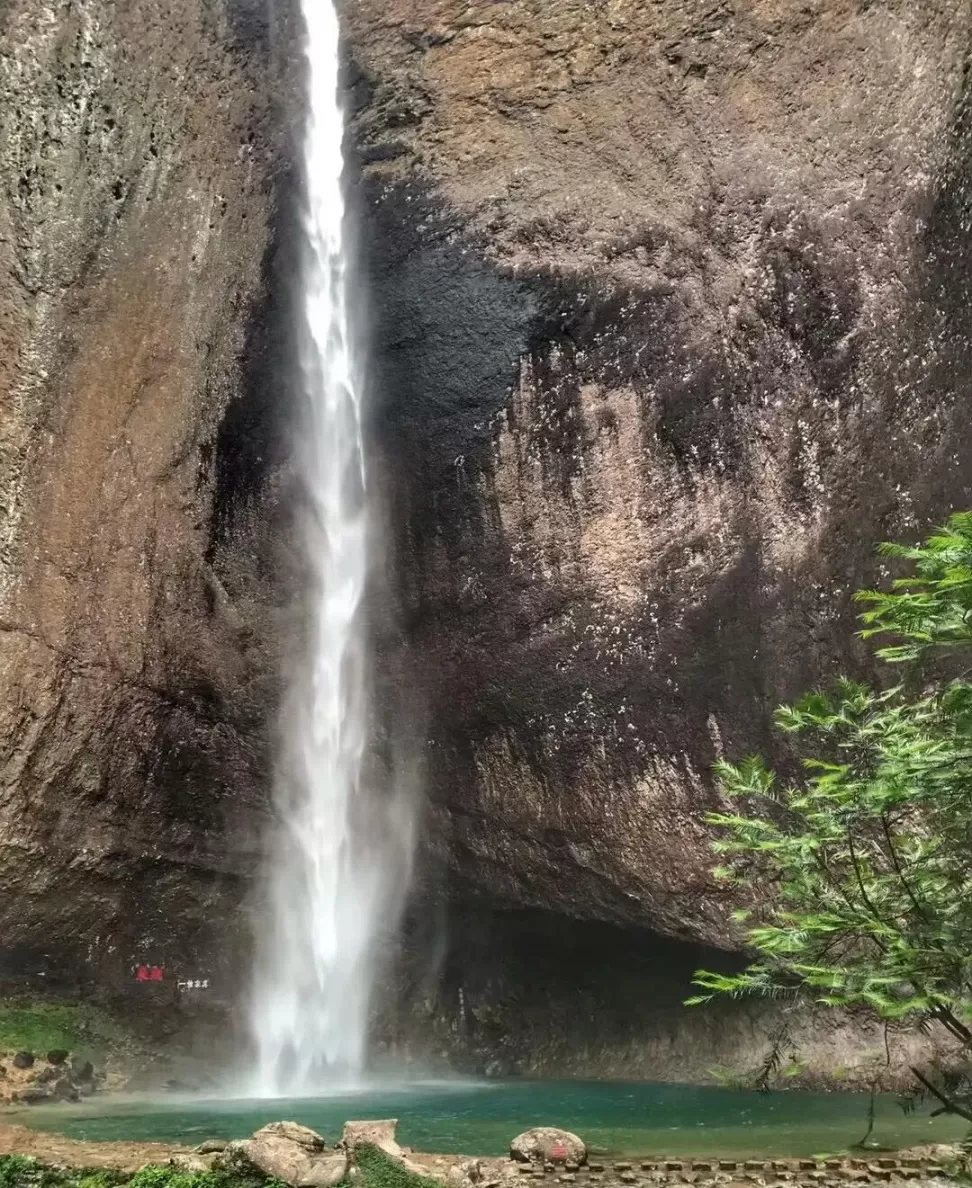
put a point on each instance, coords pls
(340, 861)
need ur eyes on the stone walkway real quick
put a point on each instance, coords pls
(742, 1172)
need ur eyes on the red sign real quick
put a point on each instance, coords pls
(558, 1153)
(150, 973)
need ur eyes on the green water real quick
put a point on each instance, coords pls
(481, 1118)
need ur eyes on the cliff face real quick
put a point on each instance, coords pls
(137, 160)
(672, 325)
(670, 322)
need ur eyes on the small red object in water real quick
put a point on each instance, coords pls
(157, 973)
(558, 1153)
(144, 974)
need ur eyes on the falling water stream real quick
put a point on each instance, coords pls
(338, 864)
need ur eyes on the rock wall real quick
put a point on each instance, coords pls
(139, 160)
(538, 994)
(672, 326)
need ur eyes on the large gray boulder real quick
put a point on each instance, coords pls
(547, 1144)
(294, 1154)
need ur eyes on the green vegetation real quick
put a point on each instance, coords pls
(860, 865)
(162, 1176)
(377, 1169)
(43, 1026)
(17, 1171)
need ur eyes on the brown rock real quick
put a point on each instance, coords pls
(294, 1154)
(292, 1132)
(657, 461)
(545, 1143)
(192, 1162)
(143, 156)
(378, 1133)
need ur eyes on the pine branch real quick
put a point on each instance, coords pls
(951, 1107)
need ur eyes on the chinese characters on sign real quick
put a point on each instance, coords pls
(156, 973)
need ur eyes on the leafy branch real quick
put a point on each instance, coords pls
(858, 870)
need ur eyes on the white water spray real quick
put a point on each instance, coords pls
(337, 871)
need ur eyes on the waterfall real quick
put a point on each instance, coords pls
(339, 861)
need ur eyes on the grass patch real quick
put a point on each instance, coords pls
(379, 1170)
(19, 1171)
(42, 1026)
(160, 1176)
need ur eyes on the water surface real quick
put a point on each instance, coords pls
(616, 1118)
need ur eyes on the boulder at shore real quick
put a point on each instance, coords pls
(547, 1144)
(379, 1133)
(292, 1153)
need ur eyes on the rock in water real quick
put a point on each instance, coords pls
(547, 1144)
(292, 1153)
(23, 1060)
